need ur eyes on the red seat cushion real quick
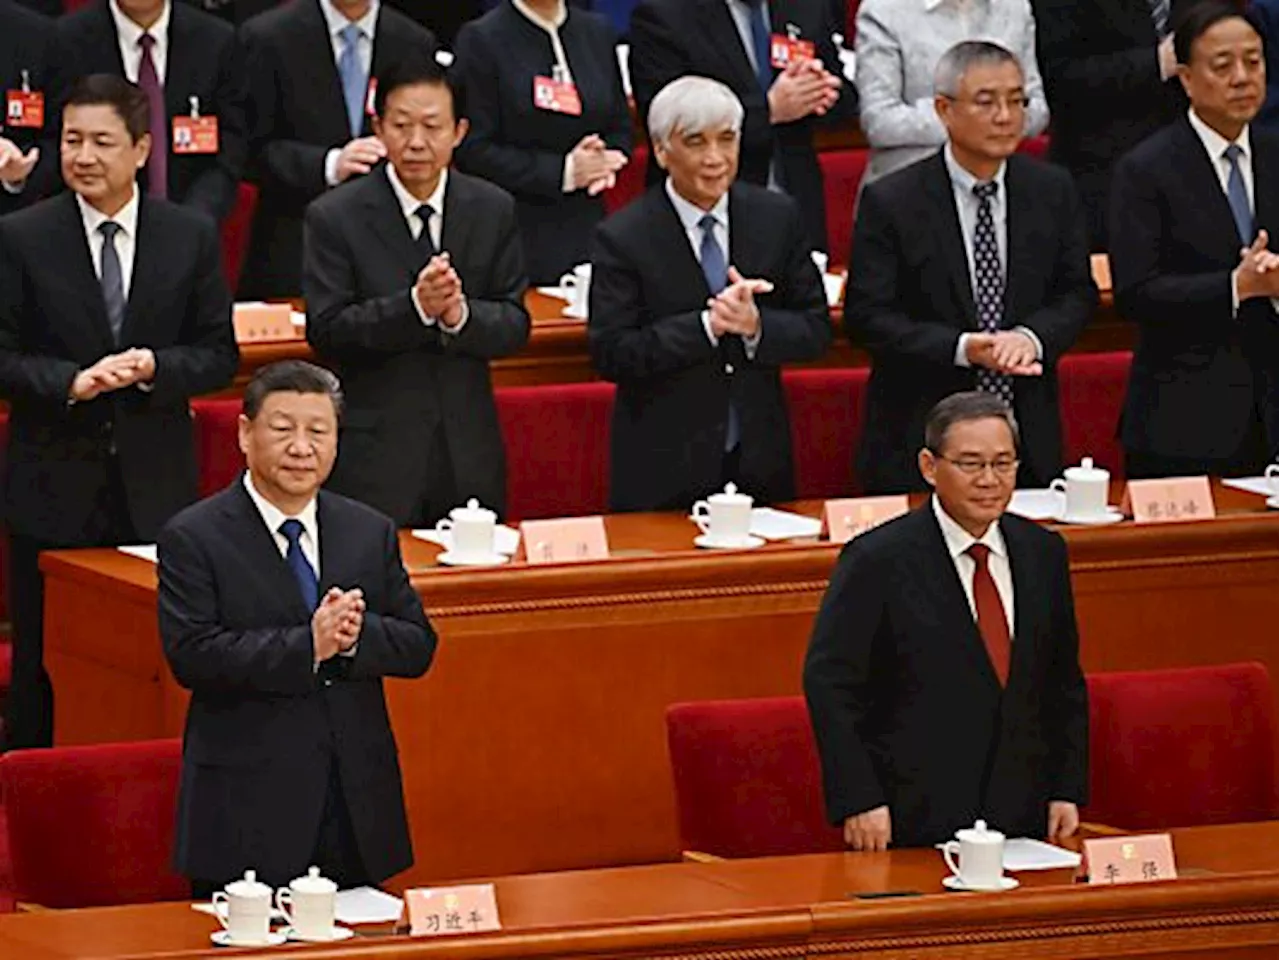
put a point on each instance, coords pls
(1091, 388)
(842, 172)
(235, 233)
(630, 182)
(217, 442)
(747, 778)
(1176, 748)
(825, 405)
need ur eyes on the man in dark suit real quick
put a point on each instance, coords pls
(281, 609)
(414, 281)
(943, 675)
(1193, 241)
(24, 41)
(310, 64)
(113, 313)
(972, 271)
(700, 291)
(731, 42)
(189, 65)
(1108, 68)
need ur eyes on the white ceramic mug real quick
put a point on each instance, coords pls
(247, 907)
(472, 527)
(724, 517)
(308, 904)
(1085, 488)
(1272, 473)
(981, 856)
(578, 285)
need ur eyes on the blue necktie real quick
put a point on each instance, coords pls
(760, 42)
(1237, 196)
(988, 286)
(301, 568)
(716, 270)
(112, 278)
(355, 82)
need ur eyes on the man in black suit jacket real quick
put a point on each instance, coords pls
(24, 40)
(310, 127)
(410, 304)
(1193, 241)
(672, 38)
(700, 291)
(281, 609)
(194, 56)
(972, 270)
(943, 675)
(1108, 69)
(113, 313)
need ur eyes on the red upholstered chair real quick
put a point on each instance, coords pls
(1176, 748)
(235, 233)
(1091, 389)
(217, 445)
(93, 826)
(747, 778)
(630, 180)
(1037, 147)
(825, 405)
(557, 443)
(842, 171)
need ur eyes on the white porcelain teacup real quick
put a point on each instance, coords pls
(724, 517)
(308, 904)
(243, 908)
(980, 854)
(1085, 488)
(578, 286)
(473, 527)
(1272, 473)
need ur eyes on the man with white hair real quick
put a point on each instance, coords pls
(970, 271)
(700, 291)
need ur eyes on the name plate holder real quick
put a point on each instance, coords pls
(1169, 500)
(263, 322)
(447, 911)
(1112, 860)
(564, 541)
(845, 519)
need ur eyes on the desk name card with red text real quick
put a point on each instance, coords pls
(845, 519)
(445, 911)
(1172, 499)
(258, 322)
(564, 541)
(1130, 859)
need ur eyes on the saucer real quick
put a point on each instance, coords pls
(955, 883)
(451, 559)
(1273, 503)
(1111, 516)
(711, 543)
(337, 933)
(223, 939)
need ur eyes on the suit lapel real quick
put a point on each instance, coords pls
(1264, 184)
(334, 569)
(107, 37)
(1019, 237)
(329, 99)
(266, 559)
(686, 272)
(92, 322)
(177, 65)
(717, 21)
(1027, 603)
(1204, 190)
(387, 221)
(146, 273)
(950, 239)
(457, 225)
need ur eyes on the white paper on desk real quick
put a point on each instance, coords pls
(505, 539)
(366, 905)
(143, 551)
(560, 293)
(1037, 504)
(833, 283)
(1023, 853)
(780, 525)
(1265, 486)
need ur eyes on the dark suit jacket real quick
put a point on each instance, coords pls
(24, 42)
(909, 297)
(906, 708)
(671, 38)
(297, 115)
(203, 60)
(53, 323)
(1102, 78)
(263, 725)
(645, 334)
(1198, 374)
(521, 148)
(404, 380)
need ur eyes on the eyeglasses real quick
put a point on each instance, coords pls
(1001, 466)
(989, 105)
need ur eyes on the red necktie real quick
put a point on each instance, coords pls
(992, 623)
(149, 83)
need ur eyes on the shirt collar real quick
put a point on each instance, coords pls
(556, 21)
(1214, 142)
(958, 539)
(690, 214)
(964, 181)
(337, 21)
(127, 217)
(273, 516)
(409, 204)
(129, 32)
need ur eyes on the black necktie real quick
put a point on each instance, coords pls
(988, 286)
(428, 247)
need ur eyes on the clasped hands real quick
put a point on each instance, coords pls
(872, 830)
(16, 166)
(595, 166)
(1258, 274)
(734, 310)
(438, 290)
(114, 372)
(336, 624)
(803, 87)
(1007, 351)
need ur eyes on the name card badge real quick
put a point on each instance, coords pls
(258, 322)
(789, 49)
(24, 108)
(564, 541)
(845, 519)
(1173, 499)
(1130, 859)
(558, 96)
(192, 135)
(445, 911)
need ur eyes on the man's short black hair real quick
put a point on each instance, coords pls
(1194, 20)
(413, 70)
(107, 89)
(961, 408)
(290, 376)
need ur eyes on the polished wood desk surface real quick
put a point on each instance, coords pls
(775, 907)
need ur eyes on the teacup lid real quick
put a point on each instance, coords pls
(313, 883)
(729, 495)
(473, 512)
(1086, 470)
(980, 834)
(250, 886)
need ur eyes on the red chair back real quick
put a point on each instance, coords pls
(235, 233)
(217, 442)
(825, 406)
(747, 778)
(93, 826)
(1091, 388)
(630, 183)
(842, 172)
(1177, 748)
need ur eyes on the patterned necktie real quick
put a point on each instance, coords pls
(299, 565)
(988, 286)
(355, 80)
(716, 270)
(112, 278)
(149, 83)
(428, 246)
(1238, 196)
(1160, 17)
(760, 43)
(992, 622)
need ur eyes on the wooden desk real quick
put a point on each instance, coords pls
(537, 741)
(778, 908)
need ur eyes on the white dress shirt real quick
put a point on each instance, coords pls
(126, 238)
(129, 33)
(958, 540)
(336, 22)
(409, 205)
(273, 517)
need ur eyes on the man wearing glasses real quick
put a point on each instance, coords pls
(970, 270)
(943, 676)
